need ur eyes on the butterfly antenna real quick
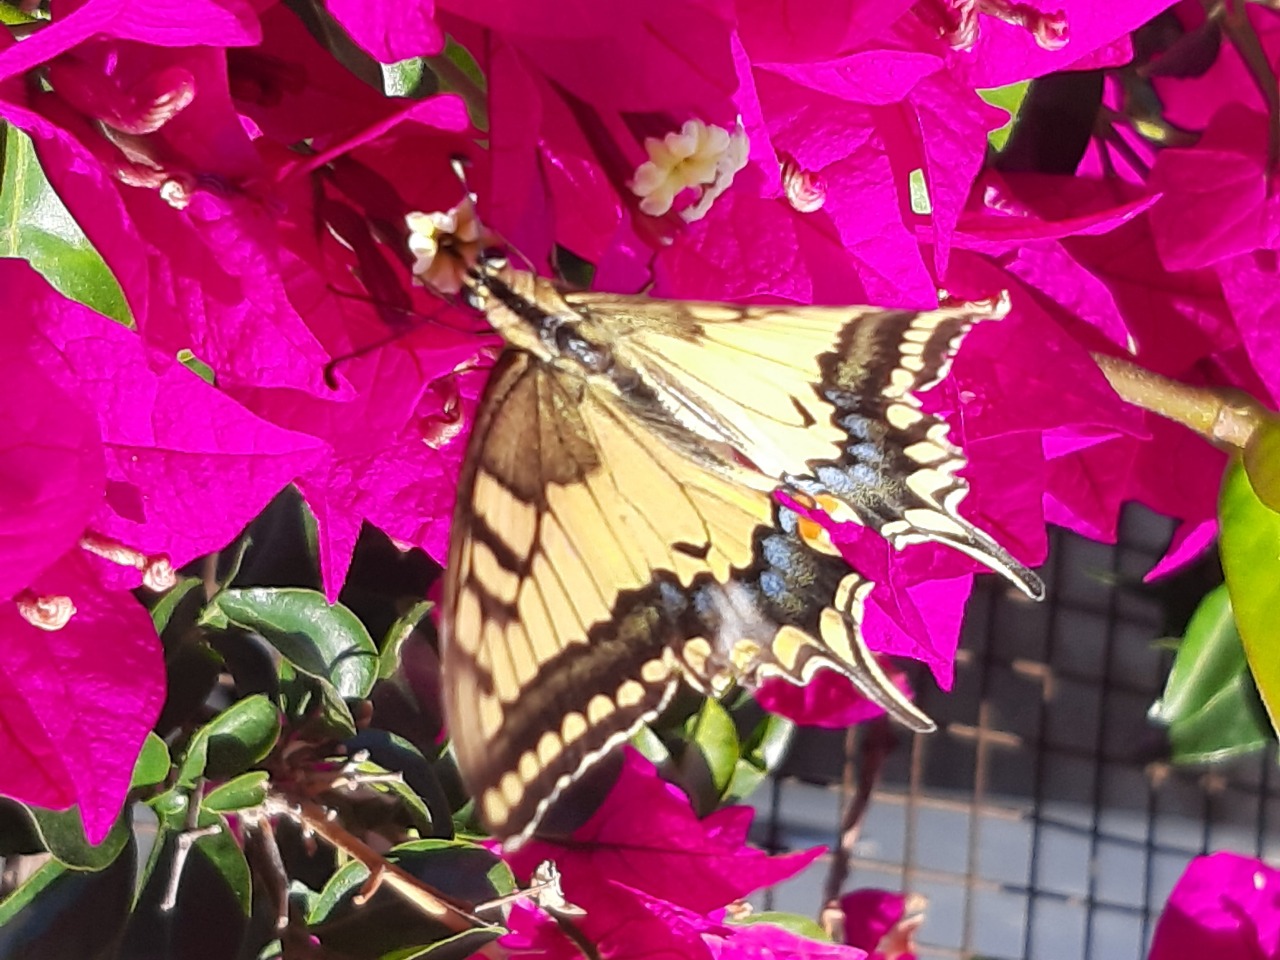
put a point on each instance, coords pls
(460, 162)
(330, 368)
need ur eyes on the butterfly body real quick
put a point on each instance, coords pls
(617, 530)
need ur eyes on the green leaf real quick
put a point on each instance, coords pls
(240, 793)
(401, 79)
(918, 191)
(389, 658)
(468, 871)
(1210, 703)
(324, 640)
(309, 700)
(1250, 545)
(153, 763)
(30, 889)
(170, 600)
(36, 227)
(226, 857)
(62, 832)
(345, 882)
(795, 923)
(231, 742)
(712, 732)
(61, 913)
(1008, 98)
(412, 778)
(651, 746)
(1262, 463)
(769, 742)
(13, 15)
(197, 366)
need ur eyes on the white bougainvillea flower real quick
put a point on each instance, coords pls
(701, 156)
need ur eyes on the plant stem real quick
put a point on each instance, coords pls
(1227, 418)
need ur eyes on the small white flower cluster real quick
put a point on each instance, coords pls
(700, 156)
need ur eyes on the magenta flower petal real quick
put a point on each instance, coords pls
(390, 31)
(1191, 102)
(178, 485)
(647, 837)
(1006, 53)
(802, 31)
(1225, 906)
(874, 919)
(828, 700)
(1216, 202)
(51, 465)
(764, 941)
(166, 23)
(842, 145)
(952, 123)
(1251, 286)
(77, 701)
(393, 445)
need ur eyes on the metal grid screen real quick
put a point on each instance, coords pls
(1033, 821)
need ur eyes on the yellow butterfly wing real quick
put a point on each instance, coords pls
(592, 566)
(823, 399)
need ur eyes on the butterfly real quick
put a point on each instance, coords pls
(618, 528)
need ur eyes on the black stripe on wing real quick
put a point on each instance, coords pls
(899, 473)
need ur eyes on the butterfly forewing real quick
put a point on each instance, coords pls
(577, 538)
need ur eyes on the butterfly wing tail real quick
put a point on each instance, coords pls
(899, 472)
(797, 611)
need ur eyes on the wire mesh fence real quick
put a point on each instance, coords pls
(1039, 821)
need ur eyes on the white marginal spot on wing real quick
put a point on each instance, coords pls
(550, 746)
(926, 453)
(902, 416)
(599, 709)
(630, 694)
(934, 522)
(928, 484)
(572, 726)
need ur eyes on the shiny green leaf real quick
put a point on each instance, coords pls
(62, 913)
(401, 79)
(707, 763)
(389, 658)
(167, 604)
(1008, 98)
(1210, 703)
(62, 833)
(153, 763)
(801, 926)
(226, 857)
(321, 639)
(36, 227)
(239, 793)
(1250, 546)
(231, 742)
(197, 366)
(1262, 463)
